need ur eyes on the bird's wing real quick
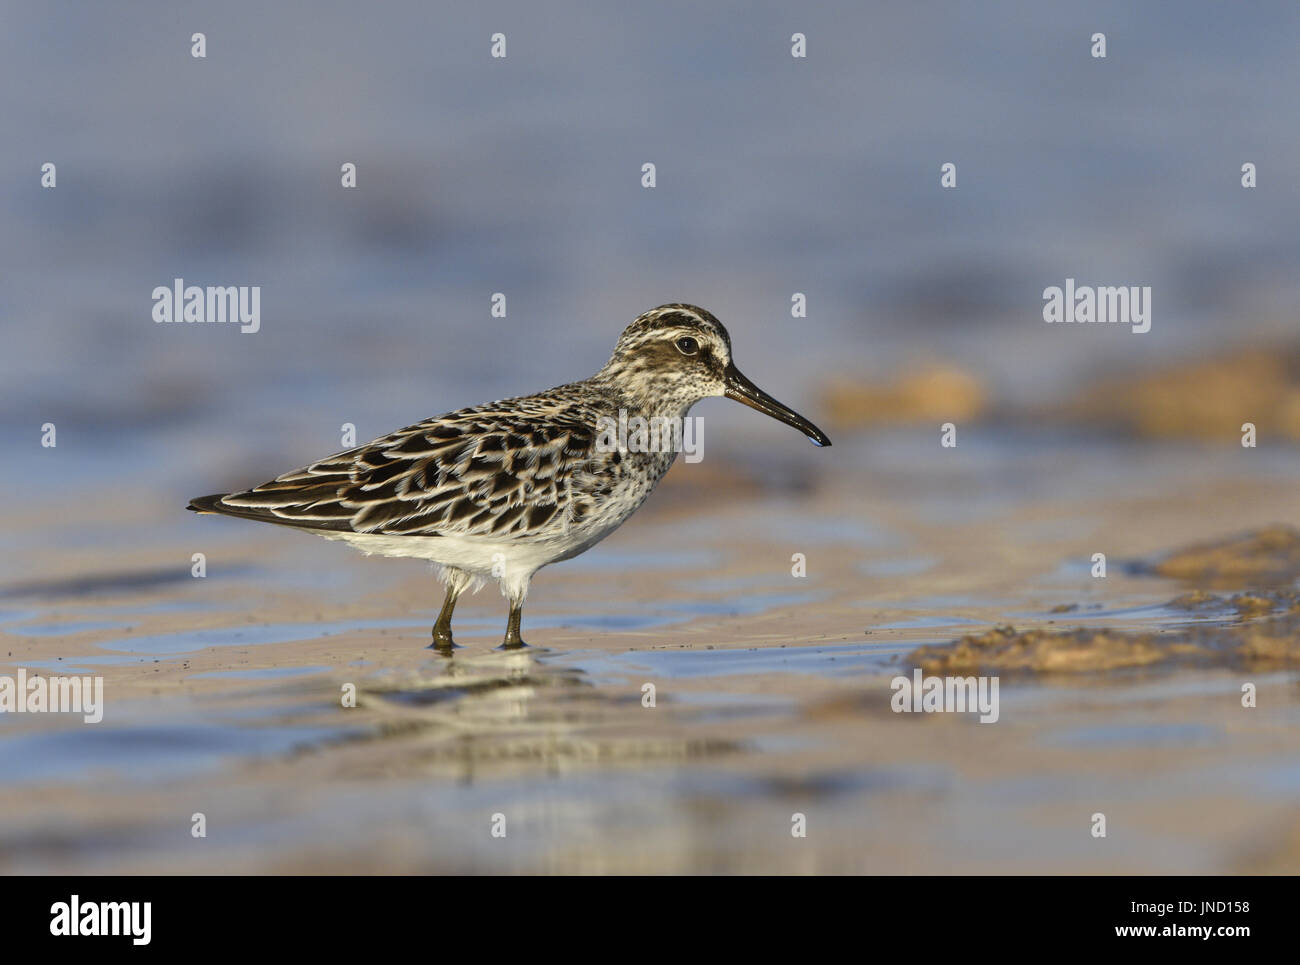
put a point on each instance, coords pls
(500, 469)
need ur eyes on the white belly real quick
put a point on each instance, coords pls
(513, 561)
(474, 556)
(510, 562)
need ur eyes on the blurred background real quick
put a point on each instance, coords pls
(522, 175)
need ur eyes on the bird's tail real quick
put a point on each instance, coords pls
(208, 504)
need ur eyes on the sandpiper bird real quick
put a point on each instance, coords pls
(501, 490)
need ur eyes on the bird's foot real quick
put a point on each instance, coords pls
(442, 641)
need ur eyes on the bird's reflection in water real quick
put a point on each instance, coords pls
(514, 713)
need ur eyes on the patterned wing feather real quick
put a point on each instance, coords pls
(510, 468)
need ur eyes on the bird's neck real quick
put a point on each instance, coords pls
(643, 396)
(652, 405)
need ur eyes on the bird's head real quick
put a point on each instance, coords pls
(675, 355)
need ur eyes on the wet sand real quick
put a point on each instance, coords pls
(772, 691)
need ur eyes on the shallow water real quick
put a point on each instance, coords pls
(670, 664)
(771, 697)
(224, 693)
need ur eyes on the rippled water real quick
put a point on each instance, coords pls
(522, 176)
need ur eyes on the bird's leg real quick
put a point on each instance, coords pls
(442, 628)
(513, 640)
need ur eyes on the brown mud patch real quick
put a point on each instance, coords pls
(1268, 555)
(926, 393)
(1265, 636)
(1274, 850)
(1203, 399)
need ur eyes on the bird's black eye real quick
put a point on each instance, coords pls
(687, 345)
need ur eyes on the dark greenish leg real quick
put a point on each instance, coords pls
(442, 628)
(513, 640)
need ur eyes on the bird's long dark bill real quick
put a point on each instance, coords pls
(743, 390)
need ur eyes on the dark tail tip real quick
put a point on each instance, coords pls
(206, 504)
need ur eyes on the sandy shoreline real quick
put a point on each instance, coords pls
(772, 697)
